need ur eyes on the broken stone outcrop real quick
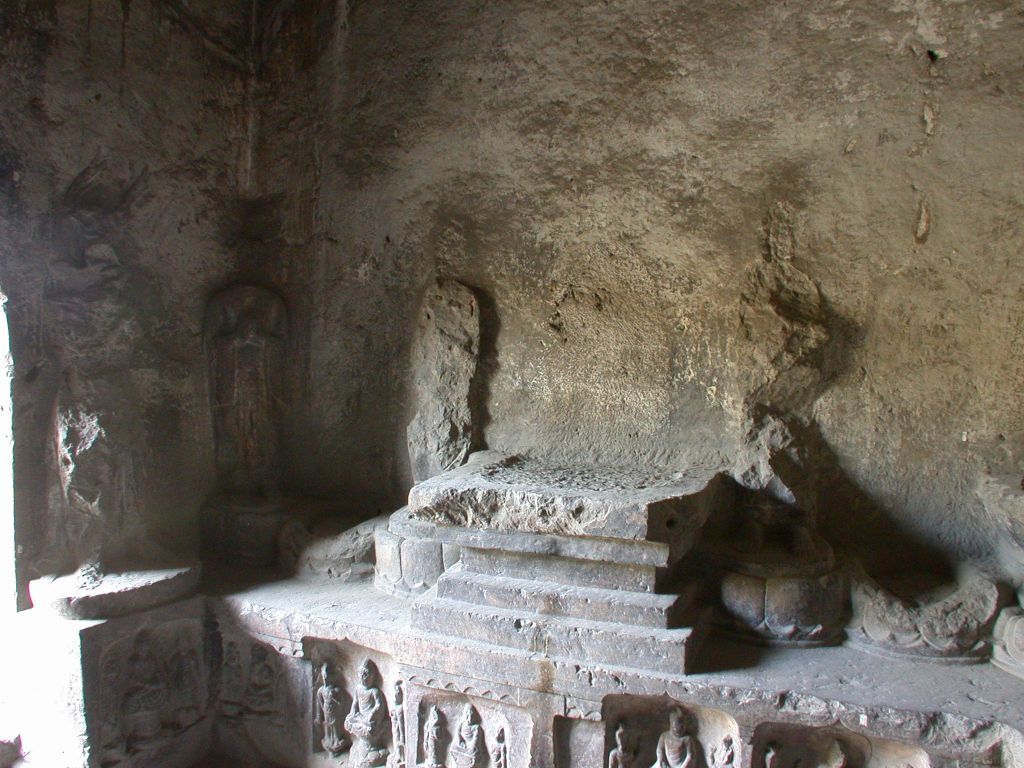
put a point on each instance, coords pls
(445, 360)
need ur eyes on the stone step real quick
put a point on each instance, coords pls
(560, 570)
(578, 547)
(549, 599)
(661, 650)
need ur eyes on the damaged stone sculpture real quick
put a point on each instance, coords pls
(397, 711)
(446, 351)
(328, 714)
(245, 334)
(499, 751)
(432, 734)
(724, 754)
(367, 721)
(94, 497)
(620, 756)
(464, 751)
(778, 578)
(952, 627)
(678, 747)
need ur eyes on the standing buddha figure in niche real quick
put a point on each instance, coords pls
(245, 330)
(328, 714)
(397, 757)
(432, 729)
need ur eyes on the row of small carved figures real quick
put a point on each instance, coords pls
(679, 747)
(364, 730)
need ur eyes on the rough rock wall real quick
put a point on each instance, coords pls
(781, 239)
(122, 142)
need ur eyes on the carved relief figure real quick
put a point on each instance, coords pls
(432, 739)
(260, 693)
(499, 752)
(184, 669)
(772, 756)
(397, 757)
(245, 333)
(153, 688)
(367, 720)
(145, 697)
(620, 756)
(232, 685)
(677, 747)
(328, 714)
(725, 754)
(111, 738)
(464, 749)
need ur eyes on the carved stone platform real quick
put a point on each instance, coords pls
(812, 706)
(562, 561)
(515, 493)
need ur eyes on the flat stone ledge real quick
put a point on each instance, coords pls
(113, 594)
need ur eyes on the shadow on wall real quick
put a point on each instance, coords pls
(855, 523)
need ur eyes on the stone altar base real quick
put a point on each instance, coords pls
(793, 705)
(126, 692)
(597, 581)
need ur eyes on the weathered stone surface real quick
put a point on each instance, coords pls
(954, 627)
(331, 549)
(779, 242)
(521, 494)
(560, 599)
(446, 353)
(113, 594)
(1008, 641)
(130, 692)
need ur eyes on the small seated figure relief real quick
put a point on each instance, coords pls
(772, 755)
(261, 685)
(328, 714)
(145, 697)
(397, 757)
(621, 756)
(724, 755)
(499, 752)
(465, 748)
(678, 747)
(432, 739)
(367, 721)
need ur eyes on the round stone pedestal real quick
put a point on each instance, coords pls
(779, 583)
